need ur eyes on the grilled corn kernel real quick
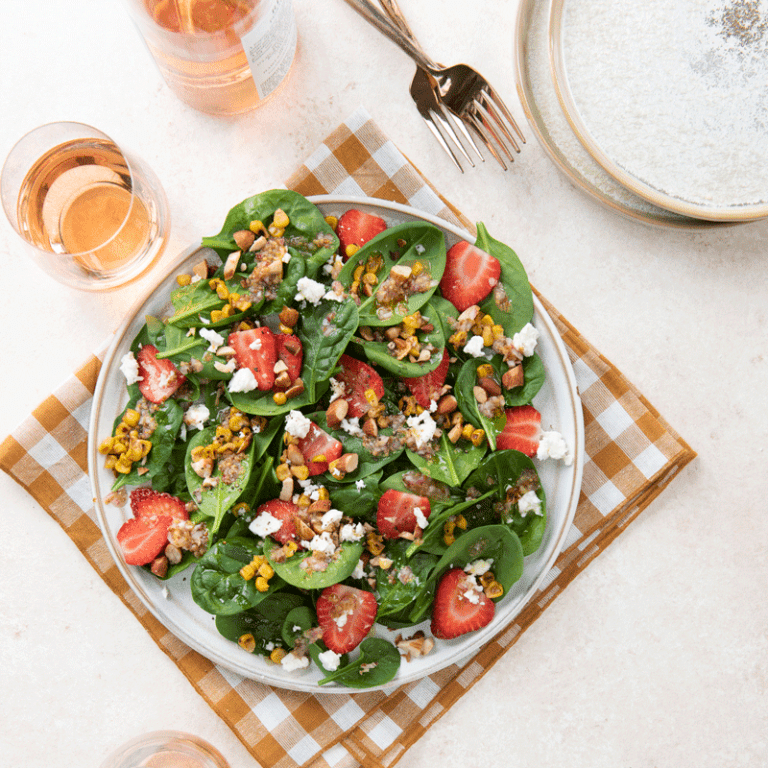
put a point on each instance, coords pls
(241, 508)
(300, 472)
(461, 522)
(449, 526)
(247, 642)
(256, 227)
(303, 500)
(283, 472)
(331, 221)
(262, 585)
(477, 437)
(458, 339)
(278, 655)
(374, 543)
(286, 329)
(498, 331)
(131, 417)
(276, 231)
(417, 268)
(133, 453)
(319, 459)
(351, 250)
(484, 370)
(106, 446)
(371, 396)
(122, 430)
(110, 461)
(279, 398)
(217, 314)
(225, 433)
(487, 336)
(466, 433)
(248, 571)
(494, 590)
(280, 219)
(291, 548)
(323, 495)
(358, 273)
(448, 539)
(183, 280)
(486, 579)
(266, 570)
(122, 465)
(237, 420)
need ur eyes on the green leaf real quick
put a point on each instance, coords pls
(468, 405)
(452, 463)
(377, 664)
(336, 570)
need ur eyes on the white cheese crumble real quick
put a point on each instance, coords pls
(291, 662)
(309, 290)
(130, 368)
(525, 340)
(265, 524)
(331, 517)
(337, 388)
(214, 339)
(421, 519)
(330, 660)
(351, 532)
(321, 542)
(297, 424)
(197, 415)
(255, 344)
(333, 296)
(423, 427)
(360, 484)
(475, 347)
(243, 381)
(529, 502)
(342, 619)
(352, 426)
(359, 572)
(478, 567)
(552, 446)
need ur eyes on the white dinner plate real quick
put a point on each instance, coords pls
(670, 98)
(170, 601)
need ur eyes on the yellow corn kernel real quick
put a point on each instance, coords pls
(122, 430)
(374, 543)
(498, 331)
(449, 526)
(275, 231)
(237, 420)
(466, 433)
(323, 495)
(133, 454)
(183, 280)
(110, 461)
(494, 590)
(218, 285)
(122, 465)
(218, 314)
(320, 458)
(487, 335)
(461, 522)
(484, 370)
(262, 585)
(225, 433)
(477, 437)
(248, 571)
(371, 396)
(256, 227)
(358, 273)
(280, 218)
(266, 570)
(278, 655)
(131, 417)
(283, 472)
(279, 398)
(458, 339)
(448, 539)
(119, 447)
(247, 642)
(241, 508)
(331, 221)
(417, 268)
(145, 446)
(258, 561)
(286, 329)
(351, 250)
(486, 579)
(303, 500)
(291, 548)
(301, 472)
(106, 446)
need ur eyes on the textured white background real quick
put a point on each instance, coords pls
(656, 657)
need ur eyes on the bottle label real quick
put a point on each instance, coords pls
(271, 45)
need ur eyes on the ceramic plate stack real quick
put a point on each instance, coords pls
(659, 109)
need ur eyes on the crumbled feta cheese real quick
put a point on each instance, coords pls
(292, 661)
(552, 446)
(475, 347)
(525, 340)
(286, 257)
(130, 368)
(228, 367)
(359, 572)
(421, 520)
(478, 567)
(473, 590)
(351, 532)
(432, 406)
(333, 296)
(297, 424)
(352, 426)
(197, 415)
(330, 660)
(265, 524)
(309, 290)
(214, 339)
(243, 381)
(529, 502)
(255, 344)
(337, 388)
(321, 542)
(341, 620)
(423, 427)
(331, 517)
(359, 484)
(420, 248)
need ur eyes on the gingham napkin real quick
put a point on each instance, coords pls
(632, 453)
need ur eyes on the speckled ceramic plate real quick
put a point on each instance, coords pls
(547, 120)
(170, 601)
(670, 98)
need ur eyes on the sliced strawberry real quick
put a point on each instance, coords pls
(286, 512)
(159, 378)
(143, 539)
(148, 503)
(460, 606)
(318, 449)
(291, 352)
(256, 349)
(521, 431)
(345, 615)
(396, 512)
(357, 228)
(470, 275)
(358, 377)
(427, 388)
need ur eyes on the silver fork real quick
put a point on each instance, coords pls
(461, 89)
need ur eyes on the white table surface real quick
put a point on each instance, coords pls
(656, 656)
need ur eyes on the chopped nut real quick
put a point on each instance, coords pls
(400, 273)
(286, 491)
(295, 456)
(480, 394)
(370, 428)
(491, 386)
(230, 265)
(283, 380)
(337, 412)
(514, 377)
(289, 316)
(244, 239)
(160, 566)
(280, 367)
(321, 505)
(303, 531)
(447, 404)
(201, 269)
(296, 389)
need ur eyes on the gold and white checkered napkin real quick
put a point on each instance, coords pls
(632, 454)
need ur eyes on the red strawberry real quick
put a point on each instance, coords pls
(318, 444)
(286, 512)
(396, 512)
(470, 275)
(291, 352)
(147, 503)
(345, 615)
(428, 387)
(357, 378)
(159, 378)
(143, 539)
(357, 228)
(459, 606)
(256, 349)
(522, 430)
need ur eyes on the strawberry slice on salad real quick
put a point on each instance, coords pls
(460, 606)
(358, 377)
(470, 275)
(400, 512)
(345, 615)
(142, 539)
(357, 228)
(255, 349)
(159, 379)
(286, 512)
(319, 449)
(290, 350)
(147, 503)
(522, 430)
(427, 388)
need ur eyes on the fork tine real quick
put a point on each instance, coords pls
(449, 125)
(443, 143)
(488, 139)
(502, 107)
(496, 128)
(457, 122)
(494, 116)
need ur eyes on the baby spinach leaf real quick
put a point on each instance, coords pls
(377, 664)
(358, 499)
(336, 570)
(216, 584)
(452, 463)
(534, 376)
(468, 405)
(258, 403)
(398, 585)
(297, 623)
(264, 621)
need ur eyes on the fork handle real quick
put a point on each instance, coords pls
(392, 10)
(374, 16)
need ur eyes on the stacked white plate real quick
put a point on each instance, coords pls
(657, 109)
